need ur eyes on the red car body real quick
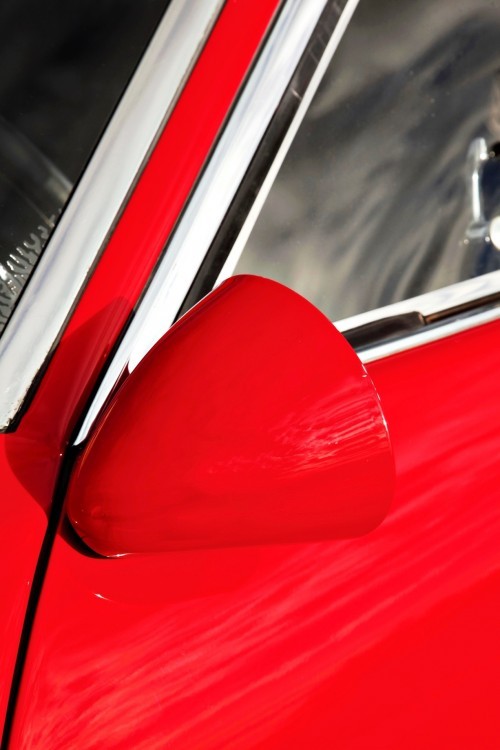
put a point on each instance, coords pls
(386, 641)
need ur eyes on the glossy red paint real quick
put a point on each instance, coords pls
(30, 458)
(386, 641)
(263, 427)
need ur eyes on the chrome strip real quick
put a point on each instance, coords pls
(428, 335)
(42, 311)
(279, 157)
(218, 185)
(432, 304)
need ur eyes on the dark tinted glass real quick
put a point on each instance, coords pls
(63, 68)
(392, 186)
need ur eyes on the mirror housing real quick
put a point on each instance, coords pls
(252, 421)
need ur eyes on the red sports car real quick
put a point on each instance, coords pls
(249, 317)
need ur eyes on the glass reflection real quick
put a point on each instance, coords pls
(373, 202)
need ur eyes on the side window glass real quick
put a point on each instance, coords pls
(392, 185)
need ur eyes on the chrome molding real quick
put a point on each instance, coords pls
(40, 316)
(432, 305)
(444, 312)
(338, 32)
(428, 335)
(216, 189)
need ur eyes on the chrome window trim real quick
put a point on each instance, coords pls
(215, 191)
(427, 336)
(445, 312)
(42, 312)
(433, 305)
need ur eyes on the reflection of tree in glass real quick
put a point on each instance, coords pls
(370, 206)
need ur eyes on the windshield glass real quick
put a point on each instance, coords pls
(63, 68)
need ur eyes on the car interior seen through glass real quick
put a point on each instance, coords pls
(63, 68)
(391, 187)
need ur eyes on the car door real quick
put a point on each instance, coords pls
(388, 640)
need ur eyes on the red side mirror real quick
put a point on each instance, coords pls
(252, 421)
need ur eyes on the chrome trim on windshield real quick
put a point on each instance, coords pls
(41, 314)
(210, 201)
